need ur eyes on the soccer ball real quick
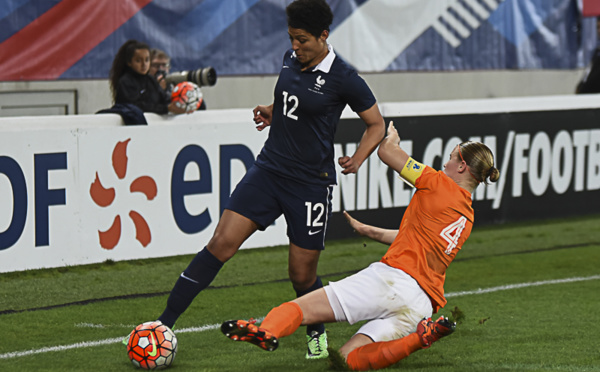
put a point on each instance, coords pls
(152, 345)
(187, 95)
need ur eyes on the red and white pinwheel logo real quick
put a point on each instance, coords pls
(104, 197)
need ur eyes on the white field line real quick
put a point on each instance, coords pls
(108, 341)
(522, 285)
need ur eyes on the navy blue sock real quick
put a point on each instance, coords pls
(197, 276)
(320, 328)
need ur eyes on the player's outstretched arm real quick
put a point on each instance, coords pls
(385, 236)
(390, 151)
(369, 141)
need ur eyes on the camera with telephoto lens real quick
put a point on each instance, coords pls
(160, 74)
(204, 76)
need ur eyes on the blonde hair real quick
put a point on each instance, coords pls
(158, 53)
(480, 160)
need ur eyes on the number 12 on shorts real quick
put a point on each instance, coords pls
(452, 232)
(318, 209)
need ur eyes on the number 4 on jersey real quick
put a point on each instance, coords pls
(451, 234)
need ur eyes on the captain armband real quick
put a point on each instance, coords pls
(411, 171)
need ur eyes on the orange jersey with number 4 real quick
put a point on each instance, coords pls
(437, 222)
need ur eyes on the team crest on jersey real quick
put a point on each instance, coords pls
(318, 85)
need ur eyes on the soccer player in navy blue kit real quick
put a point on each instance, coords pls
(294, 173)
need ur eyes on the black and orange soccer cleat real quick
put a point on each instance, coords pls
(241, 330)
(430, 331)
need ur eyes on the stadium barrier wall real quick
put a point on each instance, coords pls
(86, 189)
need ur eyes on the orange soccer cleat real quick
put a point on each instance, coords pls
(241, 330)
(430, 331)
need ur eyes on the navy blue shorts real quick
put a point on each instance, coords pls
(262, 196)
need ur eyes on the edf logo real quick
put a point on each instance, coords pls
(175, 186)
(44, 197)
(104, 197)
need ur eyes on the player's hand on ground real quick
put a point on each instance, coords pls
(262, 116)
(392, 134)
(348, 164)
(356, 225)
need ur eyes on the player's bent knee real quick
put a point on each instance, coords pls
(302, 281)
(355, 342)
(222, 248)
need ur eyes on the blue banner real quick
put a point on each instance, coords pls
(70, 39)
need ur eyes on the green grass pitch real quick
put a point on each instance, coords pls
(525, 296)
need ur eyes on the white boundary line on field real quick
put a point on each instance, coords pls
(522, 285)
(78, 345)
(108, 341)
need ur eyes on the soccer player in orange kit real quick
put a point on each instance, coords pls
(399, 293)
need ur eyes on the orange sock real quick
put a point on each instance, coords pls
(383, 354)
(283, 320)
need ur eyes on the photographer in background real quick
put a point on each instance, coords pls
(160, 67)
(130, 82)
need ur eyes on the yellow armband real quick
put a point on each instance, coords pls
(411, 171)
